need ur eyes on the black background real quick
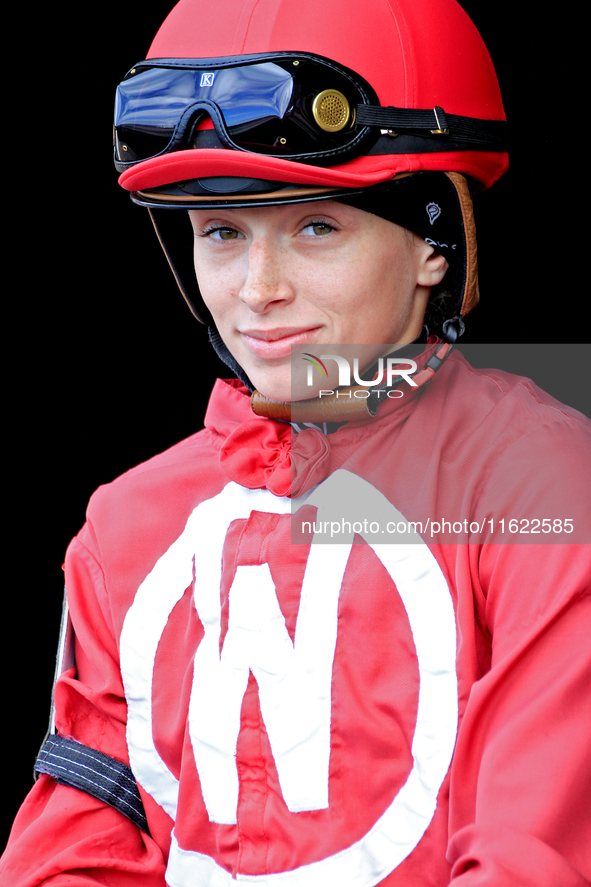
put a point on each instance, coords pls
(105, 365)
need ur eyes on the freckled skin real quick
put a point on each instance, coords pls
(309, 274)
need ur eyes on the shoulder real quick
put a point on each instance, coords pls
(524, 456)
(505, 399)
(160, 470)
(490, 411)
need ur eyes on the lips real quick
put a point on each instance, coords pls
(278, 342)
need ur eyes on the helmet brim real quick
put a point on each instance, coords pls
(204, 163)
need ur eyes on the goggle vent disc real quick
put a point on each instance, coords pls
(331, 110)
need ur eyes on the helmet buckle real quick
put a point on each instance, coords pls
(441, 121)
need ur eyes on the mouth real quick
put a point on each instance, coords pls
(278, 342)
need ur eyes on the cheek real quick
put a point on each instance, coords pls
(367, 278)
(385, 287)
(393, 272)
(212, 294)
(341, 287)
(215, 285)
(394, 265)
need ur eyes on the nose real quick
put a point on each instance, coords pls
(266, 282)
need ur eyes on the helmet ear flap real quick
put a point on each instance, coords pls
(175, 235)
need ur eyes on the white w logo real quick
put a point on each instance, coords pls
(294, 678)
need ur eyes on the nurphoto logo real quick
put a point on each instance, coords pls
(387, 368)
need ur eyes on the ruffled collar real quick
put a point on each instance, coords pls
(262, 453)
(259, 453)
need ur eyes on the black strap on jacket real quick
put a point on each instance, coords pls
(71, 763)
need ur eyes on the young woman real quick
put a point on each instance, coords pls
(339, 636)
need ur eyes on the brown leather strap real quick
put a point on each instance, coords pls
(343, 405)
(471, 292)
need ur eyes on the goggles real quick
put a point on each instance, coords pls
(291, 105)
(296, 106)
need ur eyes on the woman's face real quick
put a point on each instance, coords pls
(309, 274)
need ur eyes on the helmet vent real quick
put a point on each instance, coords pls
(331, 110)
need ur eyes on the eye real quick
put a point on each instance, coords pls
(317, 229)
(222, 233)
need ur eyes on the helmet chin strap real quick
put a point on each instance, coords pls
(224, 355)
(353, 403)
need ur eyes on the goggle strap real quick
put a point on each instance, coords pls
(435, 122)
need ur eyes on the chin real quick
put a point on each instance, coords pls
(283, 391)
(274, 392)
(274, 389)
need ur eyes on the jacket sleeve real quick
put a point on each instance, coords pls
(520, 799)
(63, 836)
